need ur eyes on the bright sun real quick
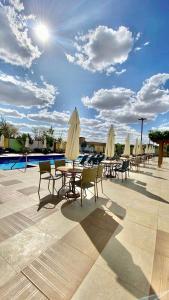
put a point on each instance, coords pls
(42, 32)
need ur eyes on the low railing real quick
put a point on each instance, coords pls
(20, 158)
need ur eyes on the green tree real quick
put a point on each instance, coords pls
(119, 149)
(38, 134)
(50, 131)
(7, 129)
(22, 139)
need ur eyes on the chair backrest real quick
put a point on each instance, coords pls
(100, 158)
(44, 167)
(59, 163)
(138, 160)
(100, 171)
(84, 158)
(125, 164)
(95, 160)
(90, 159)
(89, 175)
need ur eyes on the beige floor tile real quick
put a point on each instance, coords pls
(5, 211)
(20, 204)
(6, 271)
(19, 287)
(23, 247)
(100, 284)
(160, 275)
(59, 271)
(142, 218)
(163, 210)
(163, 223)
(146, 204)
(92, 234)
(137, 235)
(128, 263)
(114, 208)
(123, 270)
(56, 225)
(73, 211)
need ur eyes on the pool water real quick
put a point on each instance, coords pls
(10, 164)
(21, 165)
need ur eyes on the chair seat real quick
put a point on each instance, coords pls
(121, 170)
(51, 177)
(84, 185)
(56, 176)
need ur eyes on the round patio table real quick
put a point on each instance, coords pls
(72, 173)
(108, 166)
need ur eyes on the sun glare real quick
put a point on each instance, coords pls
(42, 32)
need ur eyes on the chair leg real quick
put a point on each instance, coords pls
(53, 187)
(48, 186)
(81, 196)
(102, 185)
(122, 176)
(95, 192)
(39, 185)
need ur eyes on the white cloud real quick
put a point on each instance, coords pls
(121, 72)
(138, 36)
(17, 4)
(16, 91)
(147, 43)
(125, 115)
(141, 47)
(16, 47)
(102, 48)
(153, 96)
(11, 113)
(109, 98)
(125, 106)
(137, 48)
(162, 127)
(121, 131)
(93, 129)
(70, 58)
(54, 117)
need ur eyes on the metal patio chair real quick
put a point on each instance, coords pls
(87, 180)
(46, 174)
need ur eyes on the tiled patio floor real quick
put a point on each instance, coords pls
(117, 248)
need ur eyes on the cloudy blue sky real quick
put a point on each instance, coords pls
(108, 58)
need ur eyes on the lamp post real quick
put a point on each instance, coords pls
(142, 121)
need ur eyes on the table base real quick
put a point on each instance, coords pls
(110, 176)
(72, 195)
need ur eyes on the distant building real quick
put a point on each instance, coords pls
(85, 146)
(91, 146)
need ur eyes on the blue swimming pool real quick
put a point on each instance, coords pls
(8, 163)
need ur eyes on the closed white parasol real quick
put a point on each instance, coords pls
(127, 146)
(72, 144)
(109, 151)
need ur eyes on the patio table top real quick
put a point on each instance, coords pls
(67, 169)
(111, 162)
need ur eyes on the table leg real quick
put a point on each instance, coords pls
(72, 192)
(110, 174)
(63, 183)
(53, 187)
